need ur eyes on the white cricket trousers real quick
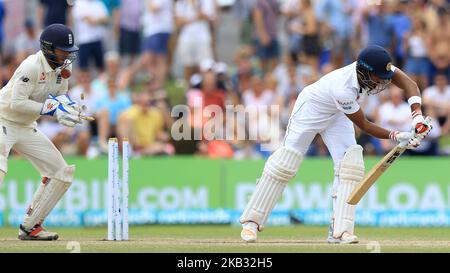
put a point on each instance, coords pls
(31, 144)
(306, 122)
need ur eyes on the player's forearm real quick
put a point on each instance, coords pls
(375, 130)
(411, 88)
(370, 128)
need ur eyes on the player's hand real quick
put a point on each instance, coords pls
(406, 139)
(65, 112)
(67, 116)
(422, 126)
(67, 101)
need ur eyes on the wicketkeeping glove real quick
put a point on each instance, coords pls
(65, 112)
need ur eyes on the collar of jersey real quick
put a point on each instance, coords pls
(47, 67)
(355, 83)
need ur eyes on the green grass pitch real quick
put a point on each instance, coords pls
(226, 239)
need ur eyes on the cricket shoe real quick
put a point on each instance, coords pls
(346, 238)
(249, 232)
(37, 233)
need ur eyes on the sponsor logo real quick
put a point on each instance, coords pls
(24, 79)
(58, 79)
(345, 102)
(42, 78)
(70, 39)
(347, 105)
(50, 106)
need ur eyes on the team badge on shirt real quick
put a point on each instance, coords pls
(389, 67)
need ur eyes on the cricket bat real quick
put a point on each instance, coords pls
(375, 173)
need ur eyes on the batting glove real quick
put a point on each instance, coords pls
(422, 126)
(406, 139)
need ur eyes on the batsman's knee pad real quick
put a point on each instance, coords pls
(281, 167)
(283, 164)
(49, 192)
(350, 174)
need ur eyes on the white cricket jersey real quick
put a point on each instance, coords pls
(21, 100)
(337, 91)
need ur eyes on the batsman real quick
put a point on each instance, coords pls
(331, 107)
(38, 87)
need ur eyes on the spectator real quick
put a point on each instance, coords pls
(241, 78)
(110, 106)
(145, 125)
(379, 26)
(287, 92)
(335, 16)
(257, 101)
(309, 30)
(54, 12)
(290, 9)
(27, 43)
(265, 34)
(158, 27)
(211, 94)
(194, 41)
(416, 64)
(7, 71)
(242, 13)
(401, 24)
(112, 70)
(439, 45)
(437, 100)
(86, 95)
(112, 6)
(128, 28)
(111, 37)
(90, 19)
(258, 95)
(394, 114)
(213, 13)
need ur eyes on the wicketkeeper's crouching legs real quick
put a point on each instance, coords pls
(350, 173)
(50, 191)
(280, 168)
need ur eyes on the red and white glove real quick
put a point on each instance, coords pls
(406, 139)
(422, 126)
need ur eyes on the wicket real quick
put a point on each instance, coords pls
(117, 214)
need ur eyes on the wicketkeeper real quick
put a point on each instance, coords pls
(38, 87)
(330, 107)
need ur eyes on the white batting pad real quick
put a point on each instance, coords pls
(350, 174)
(47, 196)
(281, 167)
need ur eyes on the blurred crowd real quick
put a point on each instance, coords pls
(130, 51)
